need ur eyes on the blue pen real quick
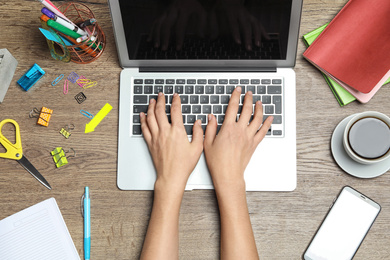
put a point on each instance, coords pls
(87, 224)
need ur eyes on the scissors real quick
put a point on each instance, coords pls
(15, 152)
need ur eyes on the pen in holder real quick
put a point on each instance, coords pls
(83, 49)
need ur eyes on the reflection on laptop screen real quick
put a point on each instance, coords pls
(206, 29)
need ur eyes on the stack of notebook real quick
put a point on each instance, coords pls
(352, 51)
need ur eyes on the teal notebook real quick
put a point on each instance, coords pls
(342, 95)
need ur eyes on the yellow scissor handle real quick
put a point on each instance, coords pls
(14, 151)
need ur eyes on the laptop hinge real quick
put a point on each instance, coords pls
(205, 69)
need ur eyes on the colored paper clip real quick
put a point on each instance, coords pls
(31, 77)
(58, 79)
(82, 81)
(80, 97)
(43, 116)
(66, 87)
(87, 114)
(90, 84)
(65, 131)
(73, 77)
(59, 156)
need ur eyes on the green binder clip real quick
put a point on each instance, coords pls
(59, 156)
(65, 131)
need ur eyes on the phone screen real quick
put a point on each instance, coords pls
(344, 228)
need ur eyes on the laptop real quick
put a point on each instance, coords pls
(203, 50)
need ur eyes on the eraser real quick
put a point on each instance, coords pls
(7, 70)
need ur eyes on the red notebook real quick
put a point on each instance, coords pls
(354, 48)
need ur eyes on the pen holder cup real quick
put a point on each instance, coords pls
(87, 50)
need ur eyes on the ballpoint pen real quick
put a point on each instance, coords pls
(87, 224)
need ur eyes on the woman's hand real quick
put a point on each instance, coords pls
(174, 156)
(228, 153)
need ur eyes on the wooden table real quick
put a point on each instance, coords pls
(283, 222)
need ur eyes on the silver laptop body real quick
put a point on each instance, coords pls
(273, 165)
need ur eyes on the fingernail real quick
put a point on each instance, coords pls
(160, 93)
(175, 94)
(250, 93)
(258, 102)
(238, 89)
(210, 117)
(152, 101)
(142, 114)
(198, 122)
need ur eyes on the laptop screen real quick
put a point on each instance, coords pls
(206, 29)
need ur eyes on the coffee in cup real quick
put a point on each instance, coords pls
(367, 137)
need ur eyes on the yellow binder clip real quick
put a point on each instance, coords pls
(59, 156)
(65, 131)
(43, 116)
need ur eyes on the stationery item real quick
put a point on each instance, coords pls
(87, 23)
(80, 97)
(37, 232)
(90, 84)
(43, 116)
(8, 66)
(342, 96)
(59, 156)
(51, 37)
(85, 48)
(62, 21)
(14, 151)
(352, 51)
(86, 113)
(49, 5)
(87, 223)
(66, 87)
(59, 27)
(65, 131)
(73, 77)
(82, 81)
(31, 77)
(62, 53)
(58, 79)
(82, 49)
(90, 127)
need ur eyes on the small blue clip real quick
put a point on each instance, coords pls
(58, 79)
(87, 114)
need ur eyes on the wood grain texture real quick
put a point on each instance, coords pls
(283, 222)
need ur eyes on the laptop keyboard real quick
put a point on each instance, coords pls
(200, 97)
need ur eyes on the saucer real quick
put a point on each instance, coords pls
(347, 163)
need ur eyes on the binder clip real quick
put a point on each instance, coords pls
(59, 156)
(65, 131)
(43, 116)
(31, 77)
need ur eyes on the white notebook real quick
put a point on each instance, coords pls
(38, 232)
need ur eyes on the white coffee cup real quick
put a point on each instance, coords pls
(367, 137)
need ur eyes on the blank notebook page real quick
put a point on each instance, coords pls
(38, 232)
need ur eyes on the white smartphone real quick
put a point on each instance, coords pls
(344, 227)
